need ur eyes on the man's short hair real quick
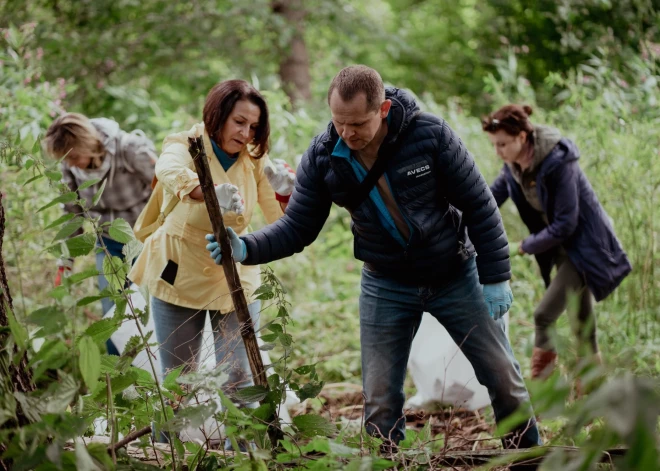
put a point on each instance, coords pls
(355, 79)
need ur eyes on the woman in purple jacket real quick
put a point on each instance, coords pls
(568, 226)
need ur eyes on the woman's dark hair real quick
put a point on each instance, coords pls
(220, 103)
(512, 119)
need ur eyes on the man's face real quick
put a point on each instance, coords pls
(356, 125)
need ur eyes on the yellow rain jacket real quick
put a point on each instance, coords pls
(192, 279)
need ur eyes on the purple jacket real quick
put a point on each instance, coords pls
(577, 221)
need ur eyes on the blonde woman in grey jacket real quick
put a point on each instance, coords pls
(97, 149)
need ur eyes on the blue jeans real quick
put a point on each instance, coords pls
(179, 332)
(390, 314)
(115, 249)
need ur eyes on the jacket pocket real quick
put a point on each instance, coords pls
(169, 273)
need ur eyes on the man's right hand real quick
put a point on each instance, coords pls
(238, 248)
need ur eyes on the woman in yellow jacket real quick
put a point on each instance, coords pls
(174, 266)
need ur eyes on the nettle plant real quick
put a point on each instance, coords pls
(79, 388)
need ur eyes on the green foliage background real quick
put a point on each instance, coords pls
(590, 67)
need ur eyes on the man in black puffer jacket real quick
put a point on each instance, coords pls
(420, 210)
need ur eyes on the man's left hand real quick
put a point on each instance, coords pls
(498, 297)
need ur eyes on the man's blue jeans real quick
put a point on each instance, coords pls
(390, 314)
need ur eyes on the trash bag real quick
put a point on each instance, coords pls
(441, 372)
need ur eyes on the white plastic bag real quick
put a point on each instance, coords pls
(441, 372)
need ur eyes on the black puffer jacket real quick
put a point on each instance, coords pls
(437, 186)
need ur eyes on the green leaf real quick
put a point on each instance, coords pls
(170, 380)
(121, 231)
(269, 337)
(143, 314)
(60, 395)
(99, 452)
(132, 249)
(28, 164)
(251, 394)
(310, 390)
(69, 228)
(18, 331)
(58, 293)
(264, 292)
(311, 425)
(89, 300)
(36, 147)
(305, 369)
(277, 328)
(115, 271)
(58, 221)
(89, 183)
(100, 331)
(84, 461)
(263, 413)
(81, 245)
(63, 199)
(286, 339)
(83, 275)
(50, 319)
(267, 347)
(120, 306)
(109, 364)
(54, 175)
(191, 416)
(33, 179)
(90, 362)
(99, 193)
(118, 383)
(52, 355)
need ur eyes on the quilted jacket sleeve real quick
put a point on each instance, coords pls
(303, 219)
(467, 190)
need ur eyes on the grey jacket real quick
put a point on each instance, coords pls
(132, 158)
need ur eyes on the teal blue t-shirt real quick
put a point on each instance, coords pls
(225, 160)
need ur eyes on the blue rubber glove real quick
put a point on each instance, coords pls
(499, 298)
(238, 249)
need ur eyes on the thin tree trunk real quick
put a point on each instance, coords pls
(294, 61)
(12, 377)
(196, 149)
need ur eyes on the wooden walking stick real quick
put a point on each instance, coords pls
(196, 149)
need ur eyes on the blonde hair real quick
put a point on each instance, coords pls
(74, 131)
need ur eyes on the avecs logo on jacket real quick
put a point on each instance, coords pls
(419, 171)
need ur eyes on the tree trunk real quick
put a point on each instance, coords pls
(196, 149)
(12, 377)
(294, 60)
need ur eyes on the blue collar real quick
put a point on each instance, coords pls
(225, 160)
